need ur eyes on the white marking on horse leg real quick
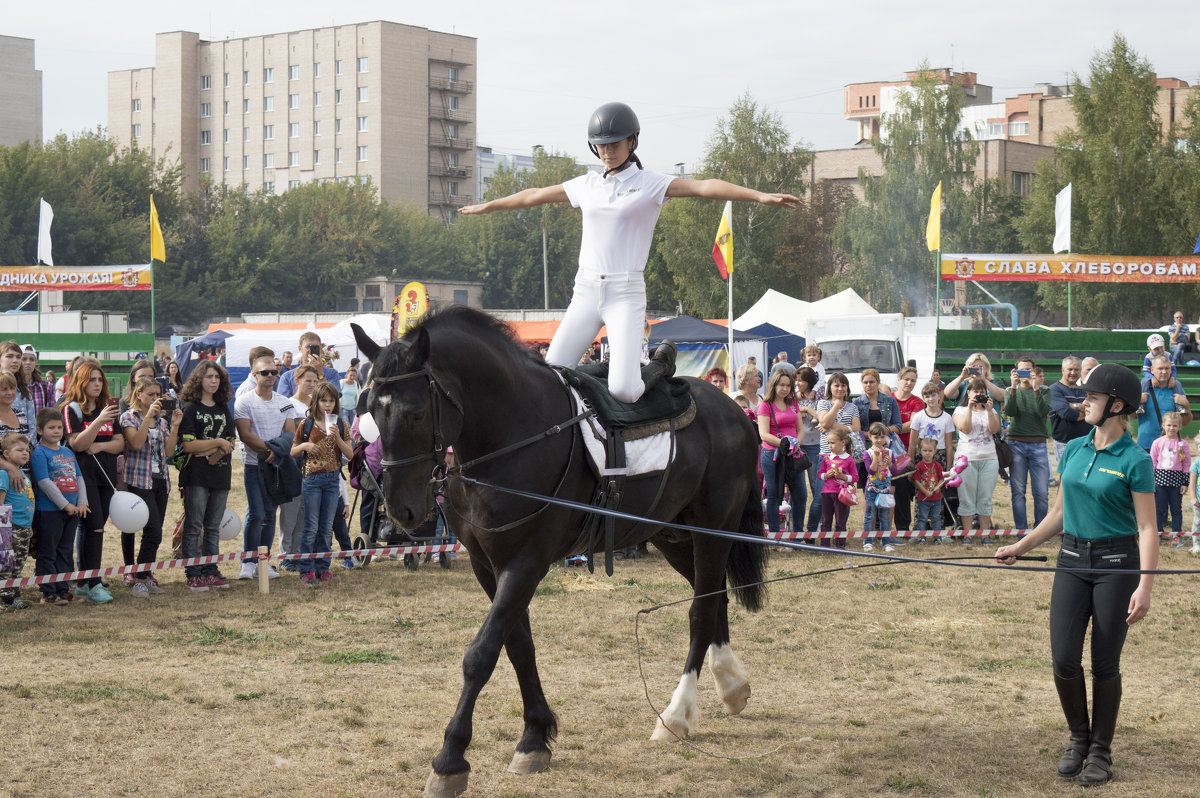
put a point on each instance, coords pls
(730, 676)
(681, 714)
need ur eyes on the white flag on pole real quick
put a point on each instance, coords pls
(1062, 220)
(44, 254)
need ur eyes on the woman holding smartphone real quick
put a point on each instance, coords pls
(89, 421)
(977, 365)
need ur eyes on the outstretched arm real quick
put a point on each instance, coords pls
(722, 190)
(528, 198)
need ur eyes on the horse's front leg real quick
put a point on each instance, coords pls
(541, 725)
(514, 591)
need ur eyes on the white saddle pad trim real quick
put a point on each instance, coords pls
(643, 456)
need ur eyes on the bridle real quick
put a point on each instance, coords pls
(437, 394)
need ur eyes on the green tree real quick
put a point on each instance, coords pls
(884, 236)
(1122, 170)
(806, 249)
(751, 147)
(505, 249)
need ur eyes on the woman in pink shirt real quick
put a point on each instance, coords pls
(777, 427)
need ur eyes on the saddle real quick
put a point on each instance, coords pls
(665, 406)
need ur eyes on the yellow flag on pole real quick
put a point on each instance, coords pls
(158, 250)
(933, 228)
(722, 251)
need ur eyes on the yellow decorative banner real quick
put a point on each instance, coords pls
(75, 278)
(1071, 268)
(411, 304)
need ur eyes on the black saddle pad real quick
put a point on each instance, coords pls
(669, 398)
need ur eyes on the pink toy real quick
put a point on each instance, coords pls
(955, 476)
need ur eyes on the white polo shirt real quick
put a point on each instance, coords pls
(619, 214)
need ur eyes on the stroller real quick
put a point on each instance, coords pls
(380, 531)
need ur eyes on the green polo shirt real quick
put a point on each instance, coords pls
(1098, 486)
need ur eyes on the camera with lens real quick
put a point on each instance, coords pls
(980, 399)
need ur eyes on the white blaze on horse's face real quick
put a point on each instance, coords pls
(385, 400)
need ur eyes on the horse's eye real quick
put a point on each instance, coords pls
(418, 415)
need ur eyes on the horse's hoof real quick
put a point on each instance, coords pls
(531, 762)
(452, 786)
(735, 700)
(673, 733)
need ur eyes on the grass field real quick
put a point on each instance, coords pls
(898, 680)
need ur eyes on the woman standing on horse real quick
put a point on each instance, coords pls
(620, 209)
(1105, 508)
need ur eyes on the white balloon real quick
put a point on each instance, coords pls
(128, 512)
(367, 428)
(231, 525)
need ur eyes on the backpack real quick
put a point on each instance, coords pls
(358, 461)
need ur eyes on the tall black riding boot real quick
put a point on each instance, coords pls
(661, 365)
(1106, 700)
(1072, 694)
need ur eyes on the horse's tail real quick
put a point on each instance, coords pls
(748, 559)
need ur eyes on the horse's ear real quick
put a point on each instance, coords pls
(366, 344)
(418, 352)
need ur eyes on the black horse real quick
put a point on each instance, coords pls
(460, 378)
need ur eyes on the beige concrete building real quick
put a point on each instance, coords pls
(378, 294)
(20, 93)
(379, 100)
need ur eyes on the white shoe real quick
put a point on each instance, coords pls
(888, 547)
(139, 590)
(249, 570)
(272, 573)
(868, 546)
(1196, 548)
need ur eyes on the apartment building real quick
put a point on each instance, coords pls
(20, 93)
(380, 100)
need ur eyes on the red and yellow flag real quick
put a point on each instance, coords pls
(722, 252)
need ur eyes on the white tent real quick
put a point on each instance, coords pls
(339, 336)
(792, 314)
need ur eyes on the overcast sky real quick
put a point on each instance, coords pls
(544, 67)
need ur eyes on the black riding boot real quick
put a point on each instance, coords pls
(1106, 700)
(1072, 694)
(661, 365)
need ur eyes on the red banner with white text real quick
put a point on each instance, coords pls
(75, 278)
(1071, 268)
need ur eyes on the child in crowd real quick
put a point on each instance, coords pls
(321, 440)
(1195, 476)
(878, 462)
(929, 479)
(15, 448)
(61, 501)
(934, 422)
(149, 444)
(837, 470)
(811, 355)
(1172, 463)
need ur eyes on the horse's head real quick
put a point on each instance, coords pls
(417, 418)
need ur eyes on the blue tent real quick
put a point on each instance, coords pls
(702, 344)
(183, 352)
(780, 340)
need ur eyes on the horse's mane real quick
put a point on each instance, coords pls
(482, 328)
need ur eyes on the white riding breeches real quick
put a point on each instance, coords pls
(616, 300)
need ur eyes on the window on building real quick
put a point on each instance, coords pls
(293, 101)
(460, 296)
(363, 94)
(452, 74)
(372, 305)
(337, 96)
(293, 130)
(294, 158)
(245, 134)
(205, 137)
(269, 187)
(337, 67)
(246, 78)
(1019, 128)
(268, 132)
(995, 130)
(269, 75)
(362, 64)
(316, 157)
(225, 137)
(452, 188)
(316, 99)
(453, 160)
(205, 82)
(269, 160)
(137, 106)
(337, 154)
(294, 72)
(225, 107)
(245, 106)
(205, 109)
(293, 184)
(452, 102)
(316, 69)
(268, 103)
(245, 162)
(137, 131)
(317, 128)
(225, 163)
(362, 124)
(226, 80)
(205, 165)
(370, 290)
(362, 153)
(1022, 183)
(337, 126)
(451, 132)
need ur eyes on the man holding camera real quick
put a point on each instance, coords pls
(1027, 404)
(310, 355)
